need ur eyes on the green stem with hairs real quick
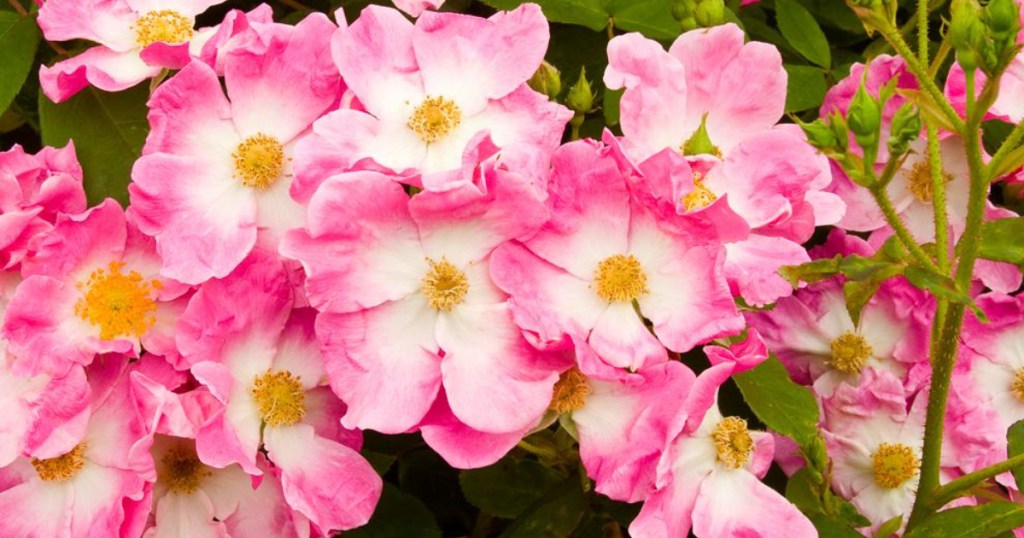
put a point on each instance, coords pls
(962, 485)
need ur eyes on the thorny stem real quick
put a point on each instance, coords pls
(18, 7)
(958, 487)
(920, 72)
(893, 219)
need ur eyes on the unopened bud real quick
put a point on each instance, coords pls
(819, 134)
(1003, 18)
(689, 23)
(547, 80)
(580, 98)
(864, 118)
(906, 127)
(710, 13)
(682, 9)
(967, 33)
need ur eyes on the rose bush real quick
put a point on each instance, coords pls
(572, 268)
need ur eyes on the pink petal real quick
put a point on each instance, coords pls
(463, 447)
(752, 267)
(101, 67)
(768, 514)
(108, 22)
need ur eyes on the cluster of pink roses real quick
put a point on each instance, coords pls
(374, 225)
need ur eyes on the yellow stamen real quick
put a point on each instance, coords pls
(445, 286)
(894, 464)
(700, 197)
(570, 392)
(620, 278)
(181, 471)
(919, 180)
(259, 161)
(1017, 387)
(280, 398)
(120, 304)
(63, 467)
(434, 119)
(732, 442)
(163, 26)
(849, 352)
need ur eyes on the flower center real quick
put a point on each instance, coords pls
(849, 352)
(435, 118)
(570, 392)
(894, 464)
(280, 397)
(444, 286)
(163, 26)
(259, 161)
(919, 180)
(1017, 387)
(182, 471)
(620, 278)
(63, 467)
(732, 442)
(700, 197)
(120, 304)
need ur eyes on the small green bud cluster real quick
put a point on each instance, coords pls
(693, 14)
(984, 37)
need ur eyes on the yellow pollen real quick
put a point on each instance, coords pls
(570, 392)
(894, 464)
(63, 467)
(849, 352)
(280, 397)
(163, 26)
(919, 180)
(120, 304)
(434, 119)
(700, 197)
(259, 161)
(444, 286)
(1017, 387)
(620, 278)
(181, 471)
(732, 442)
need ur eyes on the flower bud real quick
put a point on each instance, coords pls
(819, 134)
(864, 118)
(906, 127)
(547, 80)
(710, 13)
(1002, 18)
(683, 9)
(967, 33)
(580, 98)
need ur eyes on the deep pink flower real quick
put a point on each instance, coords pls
(407, 303)
(605, 258)
(261, 360)
(215, 171)
(92, 286)
(711, 464)
(34, 189)
(137, 39)
(432, 92)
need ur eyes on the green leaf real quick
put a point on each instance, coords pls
(554, 516)
(802, 31)
(508, 487)
(984, 521)
(942, 287)
(830, 528)
(653, 18)
(1001, 240)
(1015, 447)
(889, 527)
(19, 37)
(781, 404)
(806, 88)
(589, 13)
(108, 130)
(398, 515)
(812, 271)
(381, 462)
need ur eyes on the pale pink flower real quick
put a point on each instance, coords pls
(90, 488)
(821, 345)
(261, 360)
(606, 260)
(712, 464)
(137, 40)
(432, 93)
(34, 189)
(91, 286)
(215, 171)
(407, 302)
(874, 442)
